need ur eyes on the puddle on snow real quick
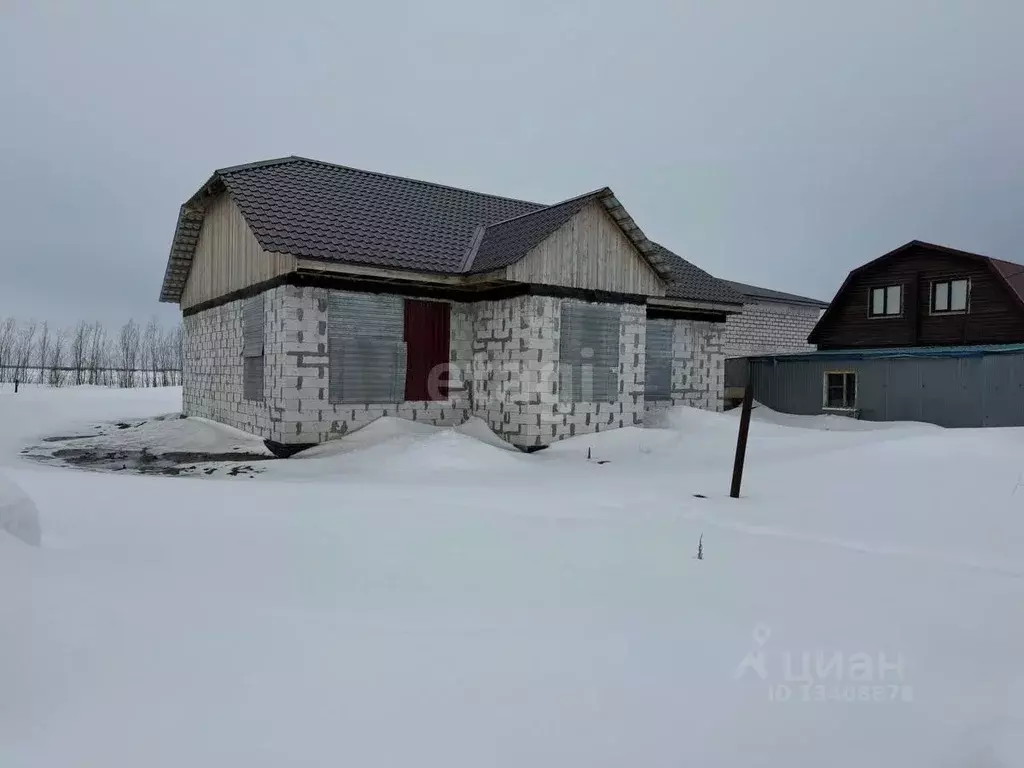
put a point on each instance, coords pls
(107, 456)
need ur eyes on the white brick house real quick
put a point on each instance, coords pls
(771, 321)
(317, 298)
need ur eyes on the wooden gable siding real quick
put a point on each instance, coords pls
(994, 316)
(589, 251)
(228, 257)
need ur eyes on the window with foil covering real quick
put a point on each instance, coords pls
(588, 369)
(428, 346)
(252, 348)
(366, 348)
(658, 361)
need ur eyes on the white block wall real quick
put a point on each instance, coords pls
(504, 357)
(766, 327)
(513, 374)
(515, 377)
(568, 419)
(301, 409)
(698, 366)
(212, 367)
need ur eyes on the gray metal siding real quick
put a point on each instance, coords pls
(252, 348)
(1004, 390)
(589, 353)
(973, 391)
(658, 361)
(366, 348)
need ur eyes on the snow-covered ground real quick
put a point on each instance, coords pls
(413, 596)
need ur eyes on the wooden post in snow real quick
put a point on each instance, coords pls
(741, 441)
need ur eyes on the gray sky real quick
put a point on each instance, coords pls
(777, 143)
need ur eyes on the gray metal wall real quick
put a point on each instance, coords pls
(983, 391)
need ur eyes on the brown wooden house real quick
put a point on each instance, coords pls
(925, 295)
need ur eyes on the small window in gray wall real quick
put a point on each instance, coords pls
(658, 362)
(588, 368)
(365, 338)
(252, 349)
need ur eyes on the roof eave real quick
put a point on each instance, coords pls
(632, 230)
(728, 308)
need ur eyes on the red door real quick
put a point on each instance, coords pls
(427, 341)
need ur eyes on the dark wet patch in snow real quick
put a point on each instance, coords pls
(66, 438)
(143, 462)
(164, 445)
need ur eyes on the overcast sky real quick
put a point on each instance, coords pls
(777, 143)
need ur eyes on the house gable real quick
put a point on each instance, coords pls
(227, 255)
(589, 251)
(294, 215)
(995, 312)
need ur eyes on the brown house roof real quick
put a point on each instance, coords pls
(319, 210)
(1009, 273)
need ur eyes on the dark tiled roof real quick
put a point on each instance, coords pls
(508, 241)
(693, 283)
(767, 294)
(319, 210)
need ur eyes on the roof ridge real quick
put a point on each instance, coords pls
(531, 227)
(1007, 261)
(739, 286)
(256, 164)
(338, 166)
(950, 250)
(473, 247)
(594, 193)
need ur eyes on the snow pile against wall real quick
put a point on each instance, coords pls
(18, 514)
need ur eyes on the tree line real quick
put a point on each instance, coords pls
(39, 353)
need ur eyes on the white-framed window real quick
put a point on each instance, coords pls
(840, 389)
(886, 301)
(950, 295)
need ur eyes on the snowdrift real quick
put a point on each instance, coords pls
(402, 447)
(426, 595)
(18, 514)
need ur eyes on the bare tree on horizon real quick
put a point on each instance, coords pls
(57, 360)
(80, 350)
(49, 355)
(128, 353)
(23, 355)
(8, 337)
(44, 350)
